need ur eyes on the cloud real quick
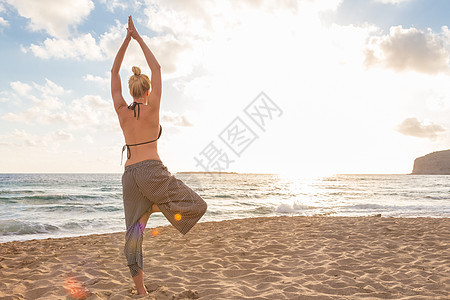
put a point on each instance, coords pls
(21, 138)
(43, 96)
(89, 111)
(326, 4)
(93, 112)
(99, 81)
(3, 22)
(175, 119)
(25, 116)
(414, 127)
(47, 95)
(22, 89)
(47, 90)
(60, 135)
(214, 36)
(96, 79)
(175, 55)
(203, 19)
(111, 5)
(410, 49)
(23, 49)
(183, 17)
(186, 31)
(438, 101)
(56, 17)
(82, 47)
(86, 47)
(392, 1)
(170, 51)
(50, 88)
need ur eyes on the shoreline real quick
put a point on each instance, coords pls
(264, 257)
(280, 216)
(270, 217)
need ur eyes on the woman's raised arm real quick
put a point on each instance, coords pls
(116, 84)
(155, 94)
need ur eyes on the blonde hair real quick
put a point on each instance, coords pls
(138, 83)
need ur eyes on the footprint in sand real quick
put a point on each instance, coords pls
(189, 294)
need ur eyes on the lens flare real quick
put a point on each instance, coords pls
(178, 217)
(142, 227)
(155, 232)
(74, 289)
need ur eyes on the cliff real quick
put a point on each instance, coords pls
(433, 163)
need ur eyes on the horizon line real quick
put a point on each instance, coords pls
(221, 173)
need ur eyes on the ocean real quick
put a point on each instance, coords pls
(39, 206)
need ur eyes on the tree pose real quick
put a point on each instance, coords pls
(147, 184)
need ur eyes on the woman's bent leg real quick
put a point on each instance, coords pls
(181, 206)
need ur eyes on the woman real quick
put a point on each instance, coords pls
(148, 186)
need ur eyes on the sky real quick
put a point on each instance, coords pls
(291, 87)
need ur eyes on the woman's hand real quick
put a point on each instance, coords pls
(131, 29)
(129, 33)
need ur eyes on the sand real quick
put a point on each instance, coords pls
(257, 258)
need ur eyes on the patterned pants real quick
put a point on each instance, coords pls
(149, 182)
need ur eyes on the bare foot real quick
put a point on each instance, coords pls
(142, 292)
(139, 283)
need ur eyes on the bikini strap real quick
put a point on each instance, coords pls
(132, 106)
(126, 146)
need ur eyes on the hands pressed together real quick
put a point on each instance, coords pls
(131, 30)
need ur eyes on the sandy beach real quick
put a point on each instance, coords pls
(256, 258)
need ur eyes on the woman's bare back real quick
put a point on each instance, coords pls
(140, 130)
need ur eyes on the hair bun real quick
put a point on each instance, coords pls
(136, 70)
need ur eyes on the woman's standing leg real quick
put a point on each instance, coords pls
(139, 278)
(133, 249)
(137, 210)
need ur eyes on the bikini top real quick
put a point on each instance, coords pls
(126, 146)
